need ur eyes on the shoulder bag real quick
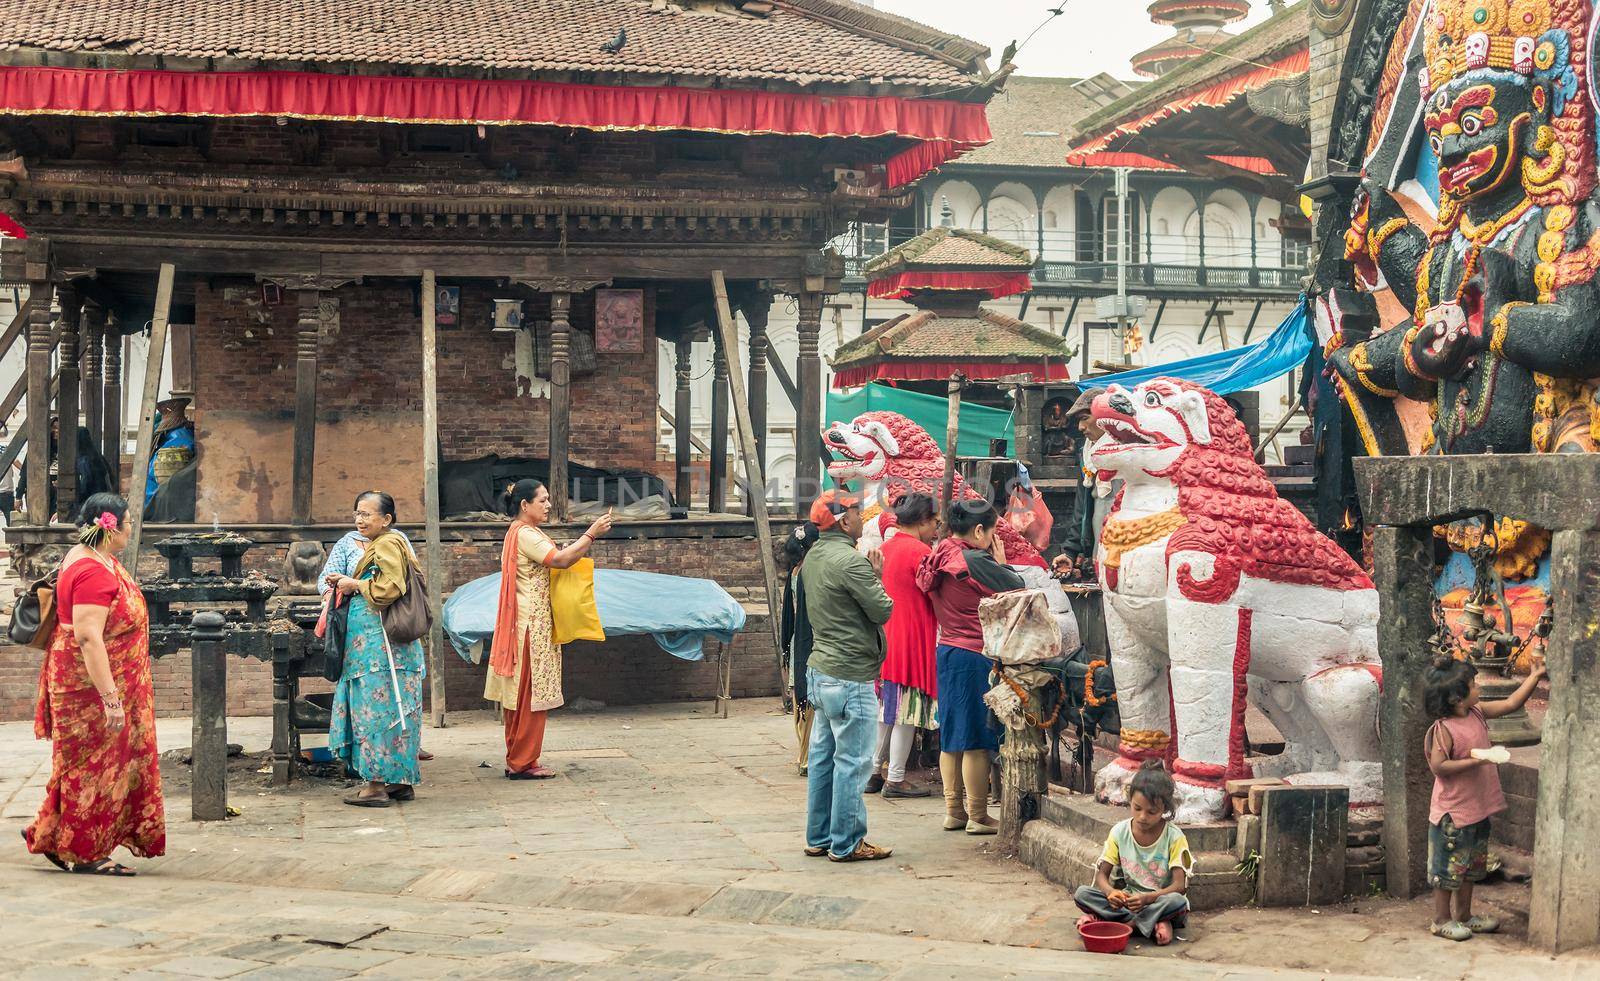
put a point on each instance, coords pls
(410, 617)
(33, 618)
(334, 630)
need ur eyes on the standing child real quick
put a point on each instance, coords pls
(1153, 857)
(1466, 789)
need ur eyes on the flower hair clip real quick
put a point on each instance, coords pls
(108, 521)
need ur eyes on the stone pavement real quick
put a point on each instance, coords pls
(669, 846)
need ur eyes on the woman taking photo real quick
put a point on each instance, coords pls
(962, 569)
(376, 728)
(525, 661)
(96, 708)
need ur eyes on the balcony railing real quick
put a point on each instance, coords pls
(1156, 262)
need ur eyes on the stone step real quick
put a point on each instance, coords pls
(1069, 859)
(1278, 471)
(1092, 820)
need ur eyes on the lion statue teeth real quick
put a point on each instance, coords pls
(889, 456)
(1216, 590)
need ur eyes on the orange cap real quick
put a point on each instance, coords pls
(826, 509)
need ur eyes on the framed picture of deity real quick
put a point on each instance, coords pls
(619, 321)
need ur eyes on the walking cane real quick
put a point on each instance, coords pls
(394, 678)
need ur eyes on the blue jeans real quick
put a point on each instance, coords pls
(844, 733)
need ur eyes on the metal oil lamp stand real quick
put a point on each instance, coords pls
(1493, 650)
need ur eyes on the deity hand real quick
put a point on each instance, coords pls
(1444, 344)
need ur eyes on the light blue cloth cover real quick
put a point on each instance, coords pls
(1226, 372)
(677, 611)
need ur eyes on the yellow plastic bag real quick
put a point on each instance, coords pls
(577, 617)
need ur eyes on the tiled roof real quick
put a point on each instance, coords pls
(1272, 39)
(952, 248)
(804, 42)
(925, 335)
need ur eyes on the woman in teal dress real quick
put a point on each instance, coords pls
(376, 729)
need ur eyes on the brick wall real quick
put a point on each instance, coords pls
(623, 670)
(369, 397)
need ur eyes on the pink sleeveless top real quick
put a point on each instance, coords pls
(1474, 795)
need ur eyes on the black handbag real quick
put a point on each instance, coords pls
(334, 637)
(33, 617)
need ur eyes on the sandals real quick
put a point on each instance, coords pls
(104, 867)
(357, 800)
(816, 852)
(402, 791)
(1479, 924)
(1454, 930)
(52, 859)
(1162, 934)
(537, 773)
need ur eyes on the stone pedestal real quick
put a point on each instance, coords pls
(1303, 831)
(1022, 780)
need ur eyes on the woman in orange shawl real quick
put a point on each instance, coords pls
(96, 706)
(525, 660)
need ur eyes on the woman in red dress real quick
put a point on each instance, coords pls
(97, 709)
(908, 691)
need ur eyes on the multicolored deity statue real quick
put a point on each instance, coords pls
(1503, 340)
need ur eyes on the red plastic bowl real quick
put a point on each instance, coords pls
(1105, 937)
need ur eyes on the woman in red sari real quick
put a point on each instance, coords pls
(97, 709)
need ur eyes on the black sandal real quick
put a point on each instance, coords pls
(378, 800)
(402, 791)
(104, 867)
(52, 859)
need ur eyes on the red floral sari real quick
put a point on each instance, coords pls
(105, 788)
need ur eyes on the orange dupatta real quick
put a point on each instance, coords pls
(503, 653)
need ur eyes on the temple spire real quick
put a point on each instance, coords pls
(1199, 28)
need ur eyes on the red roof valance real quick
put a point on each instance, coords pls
(1212, 96)
(900, 285)
(942, 370)
(945, 128)
(1139, 161)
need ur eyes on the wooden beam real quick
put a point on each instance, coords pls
(1072, 311)
(19, 323)
(308, 333)
(560, 399)
(753, 473)
(147, 413)
(37, 372)
(1155, 325)
(719, 426)
(808, 414)
(756, 311)
(672, 421)
(67, 409)
(683, 407)
(824, 455)
(92, 386)
(430, 495)
(1205, 326)
(111, 434)
(1253, 315)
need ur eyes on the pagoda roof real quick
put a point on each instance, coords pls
(1275, 49)
(933, 344)
(951, 249)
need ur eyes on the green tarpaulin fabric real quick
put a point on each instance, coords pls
(979, 423)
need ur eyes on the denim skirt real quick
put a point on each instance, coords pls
(963, 718)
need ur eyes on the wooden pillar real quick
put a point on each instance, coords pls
(37, 272)
(430, 495)
(183, 361)
(111, 438)
(683, 457)
(308, 330)
(808, 418)
(1403, 570)
(1562, 913)
(756, 313)
(719, 425)
(560, 399)
(91, 389)
(71, 303)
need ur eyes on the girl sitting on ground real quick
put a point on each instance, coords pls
(1150, 856)
(1466, 789)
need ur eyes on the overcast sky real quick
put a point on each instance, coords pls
(1092, 36)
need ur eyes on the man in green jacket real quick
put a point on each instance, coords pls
(847, 607)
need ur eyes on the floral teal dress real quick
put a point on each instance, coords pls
(366, 730)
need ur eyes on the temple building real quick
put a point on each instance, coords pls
(291, 198)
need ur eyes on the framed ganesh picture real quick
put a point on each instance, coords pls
(619, 322)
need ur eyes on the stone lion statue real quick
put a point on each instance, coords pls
(1216, 590)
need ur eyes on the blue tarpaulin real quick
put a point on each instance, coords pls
(1226, 372)
(677, 611)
